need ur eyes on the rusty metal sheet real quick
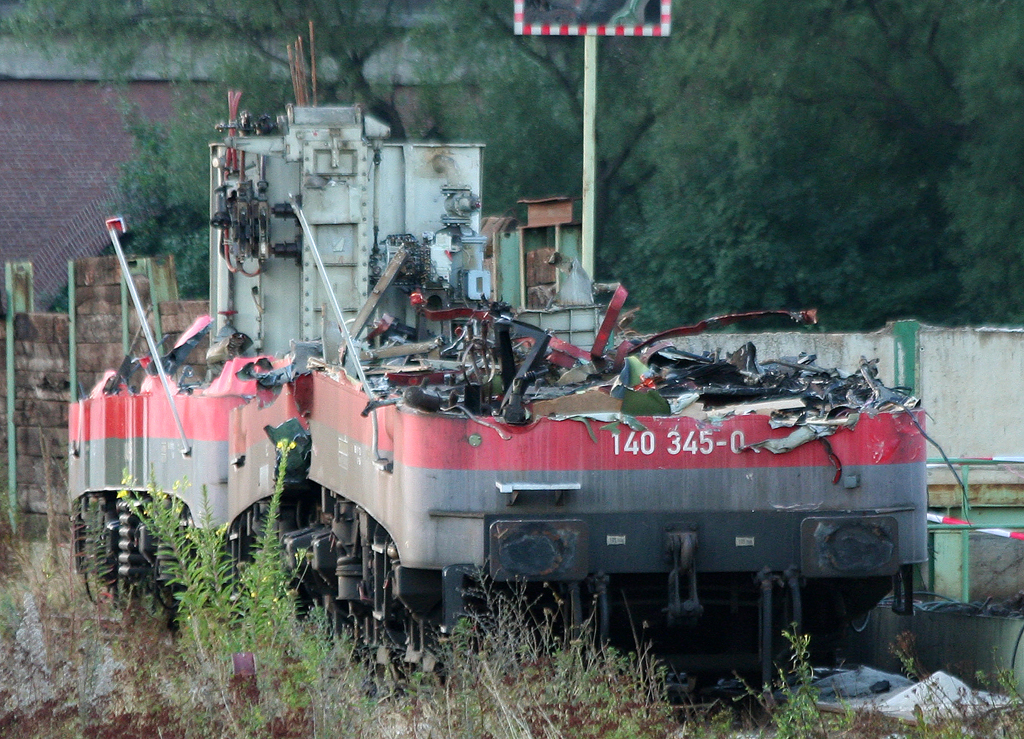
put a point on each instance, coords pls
(539, 271)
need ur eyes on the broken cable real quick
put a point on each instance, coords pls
(963, 488)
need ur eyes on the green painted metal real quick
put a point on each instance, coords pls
(949, 547)
(538, 237)
(965, 565)
(507, 286)
(126, 342)
(163, 286)
(904, 336)
(20, 298)
(570, 241)
(12, 438)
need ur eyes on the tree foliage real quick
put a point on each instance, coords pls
(860, 156)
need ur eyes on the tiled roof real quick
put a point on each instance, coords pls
(61, 144)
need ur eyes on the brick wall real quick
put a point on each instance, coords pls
(63, 144)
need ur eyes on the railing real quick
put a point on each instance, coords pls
(961, 468)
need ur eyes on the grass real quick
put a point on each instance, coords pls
(73, 668)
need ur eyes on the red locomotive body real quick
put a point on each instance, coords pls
(710, 500)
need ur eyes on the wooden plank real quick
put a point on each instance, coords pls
(99, 327)
(378, 291)
(41, 363)
(107, 298)
(538, 271)
(178, 323)
(106, 294)
(93, 271)
(43, 385)
(192, 308)
(41, 327)
(36, 412)
(99, 357)
(49, 350)
(31, 442)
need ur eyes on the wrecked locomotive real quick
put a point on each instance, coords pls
(706, 502)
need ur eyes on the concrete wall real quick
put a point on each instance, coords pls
(970, 380)
(976, 649)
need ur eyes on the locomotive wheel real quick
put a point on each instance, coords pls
(93, 560)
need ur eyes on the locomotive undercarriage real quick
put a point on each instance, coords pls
(116, 555)
(344, 561)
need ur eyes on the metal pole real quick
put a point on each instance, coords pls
(767, 583)
(311, 243)
(589, 151)
(12, 440)
(965, 566)
(186, 450)
(126, 342)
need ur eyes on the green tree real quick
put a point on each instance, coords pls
(984, 190)
(241, 44)
(164, 186)
(523, 96)
(860, 156)
(800, 152)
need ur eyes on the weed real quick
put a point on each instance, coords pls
(904, 650)
(797, 715)
(7, 542)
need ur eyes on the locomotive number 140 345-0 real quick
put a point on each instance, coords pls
(695, 441)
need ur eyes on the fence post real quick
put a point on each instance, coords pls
(20, 298)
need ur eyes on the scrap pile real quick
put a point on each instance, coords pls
(496, 366)
(940, 696)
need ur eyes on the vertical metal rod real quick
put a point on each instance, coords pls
(931, 561)
(157, 323)
(793, 580)
(603, 610)
(12, 440)
(589, 152)
(907, 575)
(965, 479)
(311, 244)
(965, 537)
(186, 450)
(575, 608)
(767, 583)
(126, 343)
(72, 332)
(965, 566)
